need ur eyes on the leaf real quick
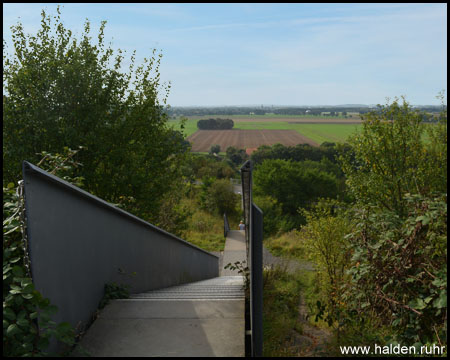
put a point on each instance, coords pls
(33, 315)
(28, 346)
(9, 313)
(15, 259)
(23, 322)
(43, 343)
(417, 304)
(18, 271)
(12, 330)
(441, 301)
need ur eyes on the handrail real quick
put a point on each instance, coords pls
(100, 202)
(226, 225)
(253, 218)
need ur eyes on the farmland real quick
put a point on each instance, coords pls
(243, 139)
(316, 129)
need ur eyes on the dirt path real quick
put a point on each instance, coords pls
(313, 340)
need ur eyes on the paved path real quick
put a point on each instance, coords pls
(204, 318)
(235, 250)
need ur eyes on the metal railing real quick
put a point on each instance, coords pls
(253, 218)
(78, 243)
(226, 226)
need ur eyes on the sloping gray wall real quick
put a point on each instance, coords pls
(78, 242)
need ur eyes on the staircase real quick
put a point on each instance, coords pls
(202, 318)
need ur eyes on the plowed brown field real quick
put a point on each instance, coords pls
(202, 140)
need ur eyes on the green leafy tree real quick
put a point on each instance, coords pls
(215, 149)
(273, 215)
(390, 158)
(294, 184)
(60, 91)
(236, 156)
(220, 198)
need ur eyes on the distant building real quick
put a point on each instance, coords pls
(249, 151)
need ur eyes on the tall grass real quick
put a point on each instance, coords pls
(288, 245)
(281, 297)
(205, 229)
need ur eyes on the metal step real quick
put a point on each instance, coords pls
(220, 288)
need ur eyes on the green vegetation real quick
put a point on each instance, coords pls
(281, 297)
(236, 156)
(215, 124)
(114, 291)
(295, 185)
(288, 245)
(60, 91)
(380, 254)
(187, 126)
(215, 149)
(318, 132)
(370, 213)
(206, 196)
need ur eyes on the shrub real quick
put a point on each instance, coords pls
(324, 239)
(220, 198)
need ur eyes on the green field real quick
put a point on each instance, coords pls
(190, 126)
(317, 132)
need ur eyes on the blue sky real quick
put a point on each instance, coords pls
(273, 54)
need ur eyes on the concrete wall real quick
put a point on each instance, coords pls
(78, 242)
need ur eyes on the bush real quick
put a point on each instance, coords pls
(220, 198)
(236, 156)
(400, 268)
(399, 250)
(273, 214)
(325, 242)
(215, 149)
(294, 185)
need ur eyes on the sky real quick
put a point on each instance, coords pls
(272, 54)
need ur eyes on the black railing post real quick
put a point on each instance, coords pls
(226, 225)
(253, 235)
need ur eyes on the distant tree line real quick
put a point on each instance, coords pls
(317, 111)
(215, 124)
(299, 152)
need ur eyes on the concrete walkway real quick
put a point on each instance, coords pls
(204, 318)
(235, 250)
